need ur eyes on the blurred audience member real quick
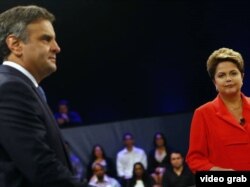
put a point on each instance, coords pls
(179, 174)
(158, 157)
(75, 162)
(101, 179)
(98, 155)
(140, 177)
(127, 157)
(65, 116)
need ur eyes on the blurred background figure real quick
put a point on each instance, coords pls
(140, 177)
(179, 174)
(65, 117)
(76, 163)
(99, 156)
(101, 179)
(127, 157)
(158, 157)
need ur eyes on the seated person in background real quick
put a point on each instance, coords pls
(76, 163)
(127, 157)
(98, 155)
(140, 177)
(158, 157)
(179, 174)
(66, 117)
(101, 179)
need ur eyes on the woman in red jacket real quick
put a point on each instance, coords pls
(220, 129)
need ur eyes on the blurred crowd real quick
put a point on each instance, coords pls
(162, 166)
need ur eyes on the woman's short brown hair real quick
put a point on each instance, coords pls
(222, 55)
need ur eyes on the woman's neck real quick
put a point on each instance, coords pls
(232, 102)
(99, 159)
(162, 147)
(234, 106)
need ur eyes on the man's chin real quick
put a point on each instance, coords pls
(52, 68)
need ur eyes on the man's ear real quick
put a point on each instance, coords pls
(14, 44)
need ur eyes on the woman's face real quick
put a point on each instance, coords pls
(138, 170)
(228, 80)
(159, 140)
(98, 152)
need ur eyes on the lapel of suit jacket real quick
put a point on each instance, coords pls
(55, 128)
(53, 125)
(223, 113)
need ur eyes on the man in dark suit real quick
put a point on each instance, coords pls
(32, 152)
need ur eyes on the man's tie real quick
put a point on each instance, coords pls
(41, 93)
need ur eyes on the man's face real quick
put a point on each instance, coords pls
(176, 160)
(39, 51)
(63, 109)
(99, 172)
(128, 141)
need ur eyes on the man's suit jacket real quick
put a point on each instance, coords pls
(32, 152)
(218, 139)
